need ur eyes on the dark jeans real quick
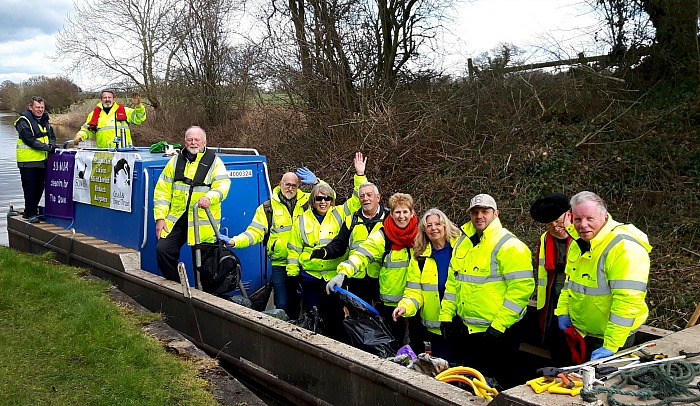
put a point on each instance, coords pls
(286, 292)
(492, 357)
(330, 308)
(366, 288)
(33, 187)
(419, 335)
(168, 249)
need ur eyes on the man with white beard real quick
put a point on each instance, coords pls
(194, 175)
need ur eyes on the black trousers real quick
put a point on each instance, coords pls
(168, 249)
(495, 358)
(33, 188)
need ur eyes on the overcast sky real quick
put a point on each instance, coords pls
(28, 32)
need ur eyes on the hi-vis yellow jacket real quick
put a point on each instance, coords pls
(490, 283)
(170, 197)
(108, 126)
(607, 285)
(393, 270)
(307, 234)
(280, 229)
(422, 290)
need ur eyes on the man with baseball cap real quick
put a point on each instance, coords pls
(552, 210)
(488, 287)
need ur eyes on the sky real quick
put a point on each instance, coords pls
(28, 33)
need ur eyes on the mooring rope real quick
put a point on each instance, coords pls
(669, 382)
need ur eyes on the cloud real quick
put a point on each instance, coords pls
(29, 56)
(23, 19)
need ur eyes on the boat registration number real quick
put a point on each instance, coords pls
(241, 173)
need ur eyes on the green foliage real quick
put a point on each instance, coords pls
(64, 343)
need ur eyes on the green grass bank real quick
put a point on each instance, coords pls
(63, 342)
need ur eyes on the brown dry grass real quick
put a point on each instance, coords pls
(515, 138)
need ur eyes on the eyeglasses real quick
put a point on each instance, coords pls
(291, 185)
(323, 198)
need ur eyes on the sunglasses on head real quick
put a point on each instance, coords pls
(322, 198)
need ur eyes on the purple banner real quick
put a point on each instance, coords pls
(59, 185)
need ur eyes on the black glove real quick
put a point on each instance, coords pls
(446, 329)
(319, 253)
(492, 334)
(52, 148)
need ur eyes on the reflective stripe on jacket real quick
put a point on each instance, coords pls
(607, 285)
(281, 227)
(108, 127)
(358, 235)
(422, 290)
(393, 269)
(491, 283)
(24, 152)
(170, 198)
(307, 234)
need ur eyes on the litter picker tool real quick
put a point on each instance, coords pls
(607, 372)
(188, 299)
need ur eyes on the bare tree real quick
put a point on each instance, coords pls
(129, 39)
(671, 44)
(346, 48)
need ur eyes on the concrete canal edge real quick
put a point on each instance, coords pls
(327, 370)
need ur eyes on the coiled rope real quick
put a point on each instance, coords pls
(669, 382)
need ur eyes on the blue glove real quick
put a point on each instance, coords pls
(564, 322)
(307, 177)
(225, 238)
(601, 352)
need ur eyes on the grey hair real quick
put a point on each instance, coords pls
(325, 189)
(196, 127)
(421, 243)
(369, 184)
(586, 196)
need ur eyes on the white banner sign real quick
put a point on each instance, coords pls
(104, 179)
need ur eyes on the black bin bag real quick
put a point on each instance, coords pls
(367, 330)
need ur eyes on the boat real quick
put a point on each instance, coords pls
(99, 216)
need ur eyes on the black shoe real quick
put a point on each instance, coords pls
(34, 220)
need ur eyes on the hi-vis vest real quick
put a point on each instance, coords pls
(172, 198)
(25, 153)
(490, 283)
(606, 286)
(109, 126)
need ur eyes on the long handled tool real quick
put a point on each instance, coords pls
(188, 299)
(554, 371)
(608, 372)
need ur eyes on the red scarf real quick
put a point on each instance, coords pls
(401, 237)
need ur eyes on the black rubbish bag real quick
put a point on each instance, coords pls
(310, 320)
(371, 335)
(220, 270)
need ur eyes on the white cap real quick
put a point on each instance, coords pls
(482, 200)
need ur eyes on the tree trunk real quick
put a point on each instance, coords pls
(676, 24)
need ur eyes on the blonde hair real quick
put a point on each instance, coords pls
(451, 230)
(400, 199)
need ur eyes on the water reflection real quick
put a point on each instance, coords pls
(10, 185)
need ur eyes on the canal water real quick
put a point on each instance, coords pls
(10, 185)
